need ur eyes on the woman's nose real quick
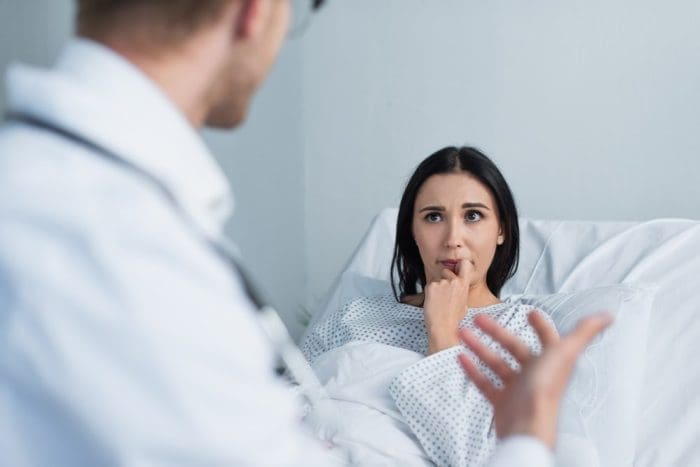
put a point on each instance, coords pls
(454, 236)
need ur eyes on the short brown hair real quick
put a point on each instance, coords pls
(168, 21)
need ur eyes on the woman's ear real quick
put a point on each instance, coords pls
(501, 238)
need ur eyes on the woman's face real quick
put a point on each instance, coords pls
(455, 219)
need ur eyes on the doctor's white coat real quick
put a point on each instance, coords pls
(125, 339)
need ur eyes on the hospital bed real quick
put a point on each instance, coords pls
(635, 395)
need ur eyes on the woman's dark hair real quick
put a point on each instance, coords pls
(407, 264)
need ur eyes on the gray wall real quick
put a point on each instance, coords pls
(32, 31)
(263, 160)
(590, 107)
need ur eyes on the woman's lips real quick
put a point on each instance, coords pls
(452, 265)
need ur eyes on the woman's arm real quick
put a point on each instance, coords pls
(447, 413)
(317, 340)
(527, 403)
(446, 303)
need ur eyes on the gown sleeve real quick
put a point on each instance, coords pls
(450, 417)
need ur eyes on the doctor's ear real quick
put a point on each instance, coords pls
(501, 238)
(248, 18)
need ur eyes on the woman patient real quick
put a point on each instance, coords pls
(457, 242)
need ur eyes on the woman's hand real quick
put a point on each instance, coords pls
(445, 305)
(528, 401)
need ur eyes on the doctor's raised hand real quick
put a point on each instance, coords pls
(528, 401)
(446, 303)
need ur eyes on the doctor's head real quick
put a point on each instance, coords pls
(209, 56)
(456, 208)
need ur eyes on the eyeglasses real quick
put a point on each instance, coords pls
(302, 11)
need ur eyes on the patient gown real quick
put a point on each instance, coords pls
(446, 412)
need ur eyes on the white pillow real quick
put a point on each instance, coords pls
(602, 400)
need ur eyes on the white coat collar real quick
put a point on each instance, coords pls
(99, 95)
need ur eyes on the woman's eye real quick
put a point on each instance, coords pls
(473, 216)
(433, 217)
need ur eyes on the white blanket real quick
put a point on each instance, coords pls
(359, 416)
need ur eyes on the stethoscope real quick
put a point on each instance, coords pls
(294, 363)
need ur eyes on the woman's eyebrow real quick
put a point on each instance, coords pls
(464, 206)
(432, 208)
(475, 205)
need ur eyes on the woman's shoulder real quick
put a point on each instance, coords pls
(513, 313)
(381, 307)
(517, 305)
(383, 301)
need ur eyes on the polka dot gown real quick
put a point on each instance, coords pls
(446, 412)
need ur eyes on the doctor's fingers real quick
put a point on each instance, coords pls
(482, 383)
(586, 329)
(508, 341)
(494, 361)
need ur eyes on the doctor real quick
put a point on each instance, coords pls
(128, 337)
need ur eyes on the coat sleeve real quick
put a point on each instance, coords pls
(133, 351)
(521, 451)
